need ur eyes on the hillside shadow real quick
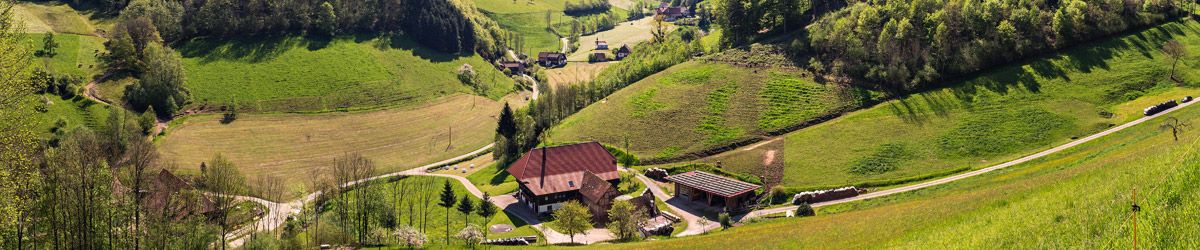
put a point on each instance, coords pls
(406, 43)
(251, 49)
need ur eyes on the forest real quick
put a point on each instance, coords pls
(449, 26)
(905, 45)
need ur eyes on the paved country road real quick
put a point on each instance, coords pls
(976, 172)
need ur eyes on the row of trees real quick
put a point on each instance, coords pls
(451, 26)
(908, 44)
(902, 45)
(586, 7)
(573, 218)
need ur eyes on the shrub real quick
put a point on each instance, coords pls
(805, 210)
(725, 221)
(148, 120)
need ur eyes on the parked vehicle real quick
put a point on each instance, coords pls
(1187, 99)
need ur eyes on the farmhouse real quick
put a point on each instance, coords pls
(601, 45)
(550, 176)
(623, 51)
(513, 67)
(715, 191)
(672, 13)
(552, 59)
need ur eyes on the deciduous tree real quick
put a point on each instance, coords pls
(572, 218)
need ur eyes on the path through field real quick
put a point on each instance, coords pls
(971, 173)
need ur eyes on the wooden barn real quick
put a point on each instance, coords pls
(716, 191)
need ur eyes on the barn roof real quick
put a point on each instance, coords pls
(563, 168)
(714, 184)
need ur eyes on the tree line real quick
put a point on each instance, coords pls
(446, 25)
(904, 45)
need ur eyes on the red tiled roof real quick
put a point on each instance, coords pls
(594, 188)
(713, 184)
(564, 167)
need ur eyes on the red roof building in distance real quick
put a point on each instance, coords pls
(550, 176)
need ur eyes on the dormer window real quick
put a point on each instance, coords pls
(571, 183)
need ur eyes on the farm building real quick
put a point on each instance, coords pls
(552, 59)
(672, 13)
(513, 67)
(716, 191)
(549, 176)
(623, 51)
(601, 45)
(598, 57)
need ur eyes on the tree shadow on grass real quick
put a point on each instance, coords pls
(406, 43)
(250, 49)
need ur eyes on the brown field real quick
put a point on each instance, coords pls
(575, 73)
(288, 145)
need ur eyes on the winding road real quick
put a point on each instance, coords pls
(976, 172)
(279, 212)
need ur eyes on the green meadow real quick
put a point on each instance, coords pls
(76, 54)
(294, 74)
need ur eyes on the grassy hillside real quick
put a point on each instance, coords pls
(1002, 114)
(527, 18)
(698, 105)
(287, 145)
(297, 74)
(76, 54)
(1081, 197)
(57, 18)
(75, 113)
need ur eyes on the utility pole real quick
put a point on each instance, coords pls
(1135, 209)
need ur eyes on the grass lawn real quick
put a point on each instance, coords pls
(288, 145)
(114, 89)
(76, 112)
(1081, 197)
(299, 74)
(76, 54)
(493, 180)
(999, 115)
(697, 105)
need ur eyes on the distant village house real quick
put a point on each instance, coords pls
(601, 45)
(513, 67)
(552, 59)
(623, 51)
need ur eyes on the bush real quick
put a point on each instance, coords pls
(586, 7)
(805, 210)
(148, 121)
(725, 221)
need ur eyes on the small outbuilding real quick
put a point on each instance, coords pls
(623, 51)
(713, 190)
(513, 67)
(601, 45)
(598, 57)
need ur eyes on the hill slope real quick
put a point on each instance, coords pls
(698, 105)
(1079, 198)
